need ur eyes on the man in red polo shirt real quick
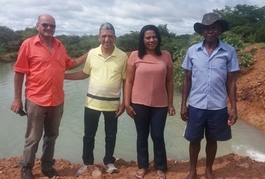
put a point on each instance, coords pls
(43, 59)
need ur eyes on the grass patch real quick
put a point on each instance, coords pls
(262, 45)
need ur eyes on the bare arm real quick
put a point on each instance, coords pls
(170, 91)
(185, 93)
(130, 72)
(123, 91)
(231, 92)
(79, 61)
(18, 82)
(121, 108)
(75, 76)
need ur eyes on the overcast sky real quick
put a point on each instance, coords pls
(80, 17)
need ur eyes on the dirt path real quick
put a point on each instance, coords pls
(227, 167)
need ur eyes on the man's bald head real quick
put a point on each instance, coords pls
(45, 17)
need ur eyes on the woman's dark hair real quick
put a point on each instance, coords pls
(141, 46)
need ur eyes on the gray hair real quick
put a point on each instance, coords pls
(107, 26)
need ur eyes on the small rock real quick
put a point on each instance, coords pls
(245, 165)
(96, 173)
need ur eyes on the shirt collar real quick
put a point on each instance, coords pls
(37, 40)
(220, 45)
(114, 53)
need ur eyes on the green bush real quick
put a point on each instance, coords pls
(253, 51)
(179, 73)
(233, 39)
(245, 59)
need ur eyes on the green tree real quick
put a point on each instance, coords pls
(6, 34)
(260, 32)
(71, 44)
(243, 20)
(240, 14)
(2, 50)
(28, 32)
(168, 39)
(128, 42)
(89, 41)
(179, 55)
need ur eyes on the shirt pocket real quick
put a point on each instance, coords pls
(219, 67)
(219, 63)
(60, 61)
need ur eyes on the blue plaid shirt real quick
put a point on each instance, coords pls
(209, 74)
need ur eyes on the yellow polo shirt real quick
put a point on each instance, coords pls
(106, 77)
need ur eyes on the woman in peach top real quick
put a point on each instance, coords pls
(149, 97)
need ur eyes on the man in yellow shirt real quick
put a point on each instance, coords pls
(105, 65)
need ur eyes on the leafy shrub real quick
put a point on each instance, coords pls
(245, 59)
(253, 51)
(260, 32)
(233, 39)
(179, 73)
(178, 57)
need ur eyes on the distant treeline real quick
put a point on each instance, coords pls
(247, 26)
(247, 23)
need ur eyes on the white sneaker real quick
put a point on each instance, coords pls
(110, 168)
(81, 170)
(87, 169)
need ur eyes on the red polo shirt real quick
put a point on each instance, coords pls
(44, 71)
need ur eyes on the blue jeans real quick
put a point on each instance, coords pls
(154, 119)
(41, 118)
(91, 119)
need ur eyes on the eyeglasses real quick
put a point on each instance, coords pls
(45, 25)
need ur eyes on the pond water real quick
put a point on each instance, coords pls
(246, 141)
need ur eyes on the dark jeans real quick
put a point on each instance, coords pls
(91, 119)
(154, 119)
